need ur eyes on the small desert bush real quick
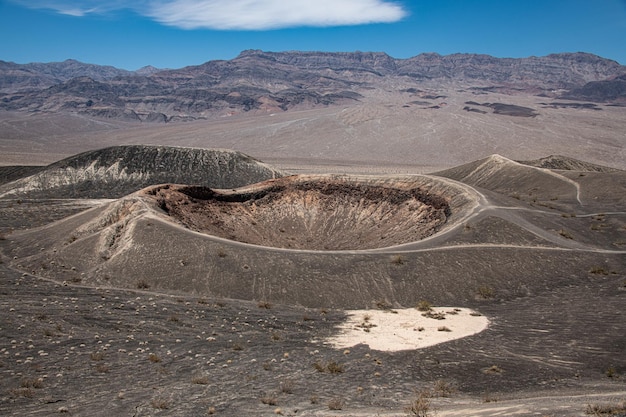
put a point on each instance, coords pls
(442, 388)
(611, 372)
(398, 260)
(420, 405)
(269, 399)
(486, 292)
(424, 306)
(489, 398)
(142, 284)
(154, 358)
(383, 305)
(102, 368)
(22, 392)
(31, 383)
(599, 410)
(566, 234)
(335, 404)
(97, 356)
(334, 367)
(200, 380)
(434, 315)
(598, 270)
(287, 386)
(319, 367)
(493, 370)
(331, 367)
(160, 403)
(443, 329)
(265, 304)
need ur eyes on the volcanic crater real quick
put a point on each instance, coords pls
(310, 213)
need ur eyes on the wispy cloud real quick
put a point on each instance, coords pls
(76, 8)
(272, 14)
(238, 14)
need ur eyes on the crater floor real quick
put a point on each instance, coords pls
(312, 214)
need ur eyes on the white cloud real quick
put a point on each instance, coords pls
(77, 8)
(272, 14)
(238, 14)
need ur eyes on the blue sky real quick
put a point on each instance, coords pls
(176, 33)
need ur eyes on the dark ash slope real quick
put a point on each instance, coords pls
(120, 170)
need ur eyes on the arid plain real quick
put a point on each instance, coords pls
(135, 305)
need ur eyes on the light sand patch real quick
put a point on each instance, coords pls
(405, 329)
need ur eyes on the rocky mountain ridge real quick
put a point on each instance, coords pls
(280, 81)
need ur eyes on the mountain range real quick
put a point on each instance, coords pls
(258, 81)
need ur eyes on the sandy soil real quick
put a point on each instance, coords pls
(405, 329)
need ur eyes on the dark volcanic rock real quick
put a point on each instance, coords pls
(601, 91)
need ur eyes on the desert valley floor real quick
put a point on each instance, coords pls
(130, 292)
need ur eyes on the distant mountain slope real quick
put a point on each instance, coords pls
(120, 170)
(612, 90)
(15, 77)
(279, 81)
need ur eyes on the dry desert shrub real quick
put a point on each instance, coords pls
(97, 356)
(142, 284)
(331, 367)
(489, 398)
(611, 372)
(200, 380)
(334, 367)
(398, 260)
(600, 410)
(566, 234)
(335, 404)
(424, 306)
(154, 358)
(102, 368)
(31, 383)
(486, 292)
(420, 405)
(21, 392)
(383, 305)
(287, 386)
(160, 403)
(599, 270)
(319, 367)
(434, 315)
(265, 304)
(442, 388)
(269, 399)
(493, 370)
